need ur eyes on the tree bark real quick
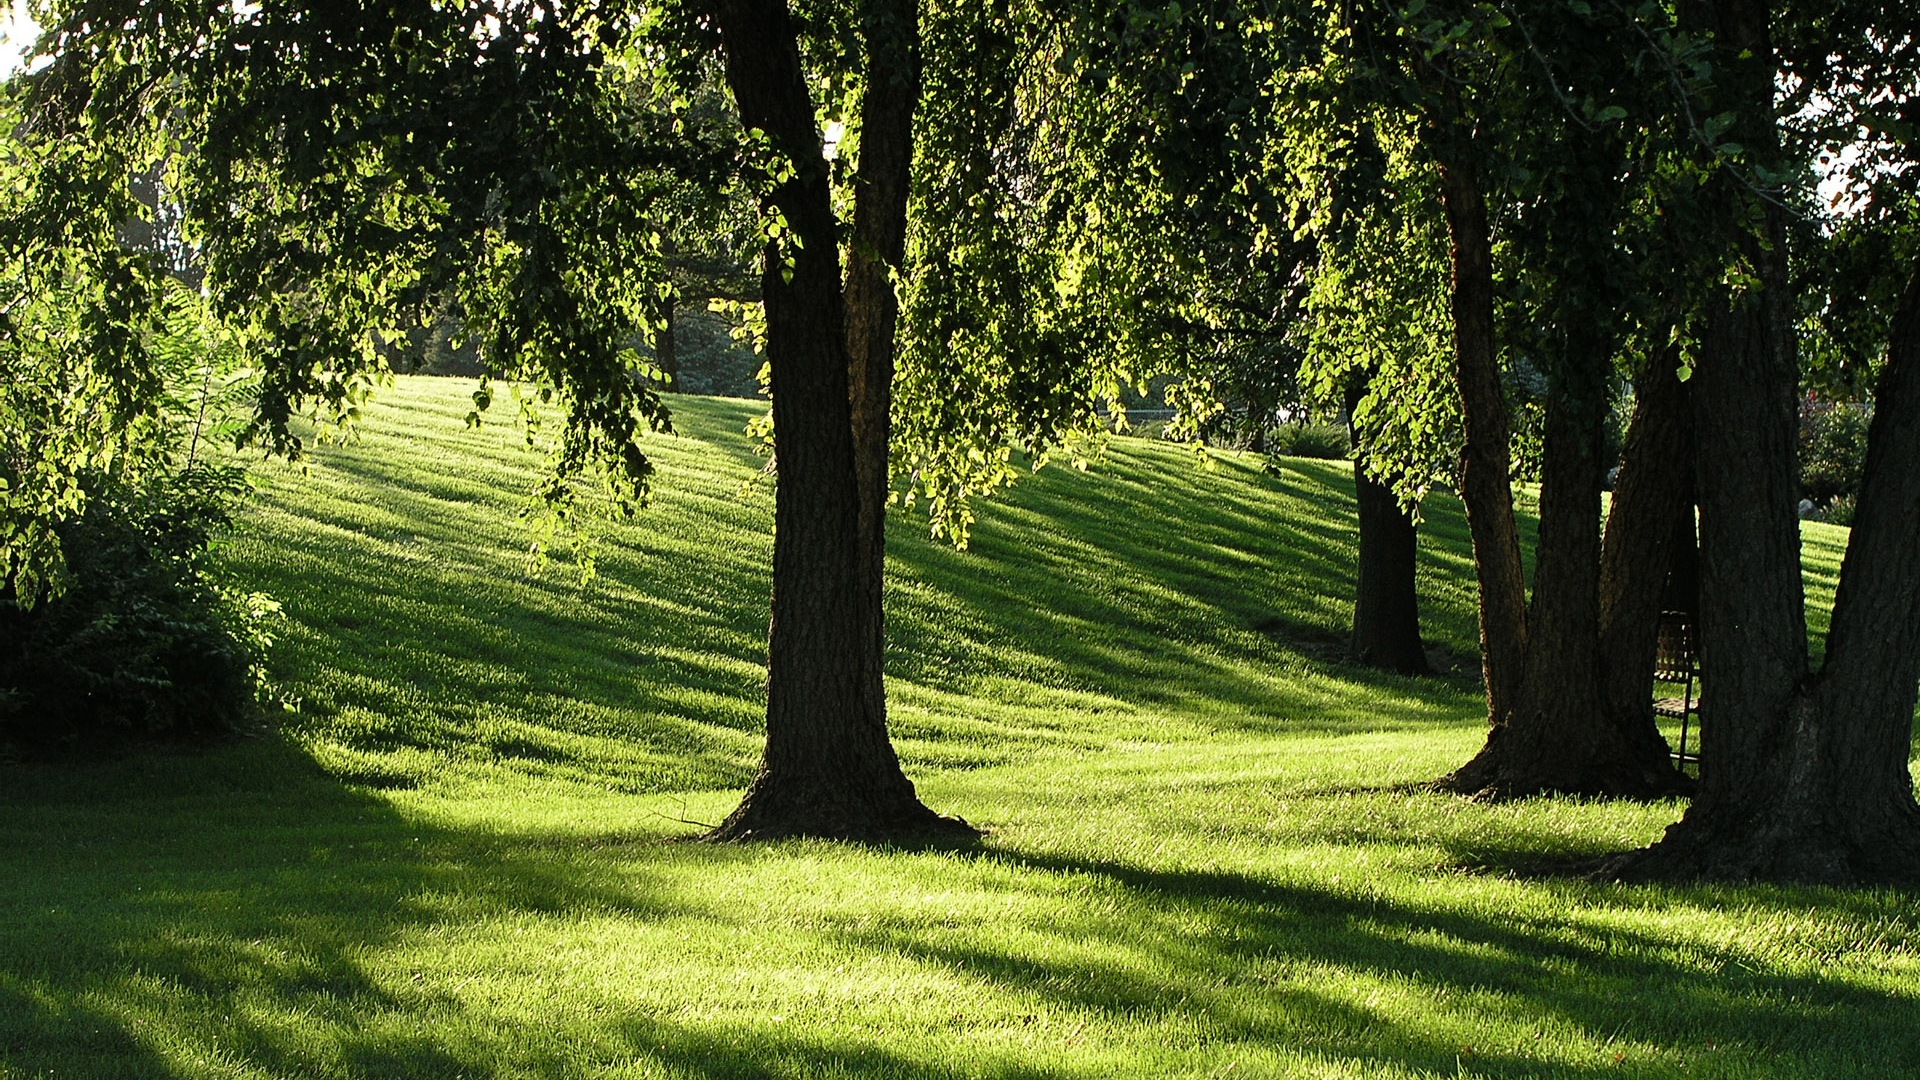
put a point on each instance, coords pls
(875, 255)
(1486, 467)
(1866, 693)
(829, 769)
(1386, 601)
(1649, 535)
(1386, 604)
(1556, 733)
(1550, 729)
(1806, 777)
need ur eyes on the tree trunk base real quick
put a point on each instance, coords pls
(1762, 850)
(1399, 662)
(1500, 772)
(775, 810)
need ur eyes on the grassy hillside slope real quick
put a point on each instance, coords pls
(453, 856)
(1166, 600)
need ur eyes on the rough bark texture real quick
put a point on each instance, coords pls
(829, 769)
(1386, 604)
(1652, 515)
(1549, 727)
(1556, 734)
(1807, 777)
(1486, 467)
(1866, 693)
(875, 254)
(1547, 730)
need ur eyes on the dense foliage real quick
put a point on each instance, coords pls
(144, 640)
(1833, 452)
(113, 622)
(1310, 441)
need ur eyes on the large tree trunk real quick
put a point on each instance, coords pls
(1805, 778)
(1556, 733)
(1386, 600)
(1864, 700)
(829, 769)
(1546, 736)
(1486, 466)
(876, 254)
(1650, 521)
(1549, 727)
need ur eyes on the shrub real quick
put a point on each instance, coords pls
(141, 641)
(1839, 511)
(1310, 441)
(1833, 449)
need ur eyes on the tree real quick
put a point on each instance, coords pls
(828, 769)
(1386, 603)
(1203, 272)
(1375, 324)
(114, 622)
(999, 364)
(1806, 772)
(341, 163)
(1649, 542)
(1552, 725)
(1518, 120)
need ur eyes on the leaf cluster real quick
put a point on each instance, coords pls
(343, 168)
(145, 641)
(996, 360)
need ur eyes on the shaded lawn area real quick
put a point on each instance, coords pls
(1260, 904)
(459, 854)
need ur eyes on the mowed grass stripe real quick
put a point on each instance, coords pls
(1206, 858)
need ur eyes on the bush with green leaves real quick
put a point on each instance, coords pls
(1833, 450)
(117, 381)
(1840, 511)
(1327, 441)
(142, 640)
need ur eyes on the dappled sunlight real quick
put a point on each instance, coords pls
(1208, 849)
(1124, 923)
(1165, 598)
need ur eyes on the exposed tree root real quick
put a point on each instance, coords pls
(773, 811)
(1777, 852)
(1507, 769)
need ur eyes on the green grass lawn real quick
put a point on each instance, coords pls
(455, 856)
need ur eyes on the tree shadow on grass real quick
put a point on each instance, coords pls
(1148, 590)
(188, 915)
(156, 909)
(1185, 594)
(467, 652)
(191, 915)
(35, 1031)
(1249, 953)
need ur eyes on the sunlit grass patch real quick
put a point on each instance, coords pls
(1208, 854)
